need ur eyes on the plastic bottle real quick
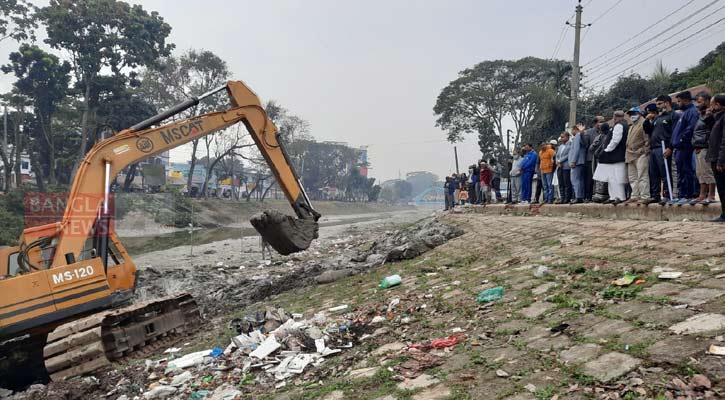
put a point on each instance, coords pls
(390, 281)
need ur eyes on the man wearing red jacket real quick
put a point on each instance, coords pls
(486, 177)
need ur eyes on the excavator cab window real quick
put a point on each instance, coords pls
(90, 251)
(113, 254)
(13, 265)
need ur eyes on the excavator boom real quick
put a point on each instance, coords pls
(109, 157)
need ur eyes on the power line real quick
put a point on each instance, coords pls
(673, 50)
(558, 44)
(600, 17)
(641, 32)
(562, 35)
(606, 12)
(610, 68)
(600, 81)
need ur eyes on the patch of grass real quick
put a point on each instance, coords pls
(545, 393)
(564, 300)
(687, 368)
(662, 300)
(582, 378)
(246, 380)
(550, 243)
(621, 292)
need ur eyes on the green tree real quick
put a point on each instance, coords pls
(485, 96)
(103, 35)
(17, 21)
(173, 80)
(626, 92)
(661, 78)
(710, 70)
(44, 79)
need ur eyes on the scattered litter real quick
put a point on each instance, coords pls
(338, 308)
(216, 352)
(266, 348)
(489, 295)
(160, 392)
(716, 350)
(456, 330)
(417, 363)
(501, 373)
(559, 328)
(626, 280)
(377, 319)
(670, 275)
(189, 360)
(181, 379)
(440, 343)
(393, 303)
(640, 281)
(199, 394)
(541, 271)
(390, 281)
(172, 350)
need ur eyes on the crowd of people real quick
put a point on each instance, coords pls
(670, 152)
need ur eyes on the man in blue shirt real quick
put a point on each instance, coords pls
(528, 167)
(682, 143)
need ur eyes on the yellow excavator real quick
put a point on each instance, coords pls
(66, 289)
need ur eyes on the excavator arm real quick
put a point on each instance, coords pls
(89, 195)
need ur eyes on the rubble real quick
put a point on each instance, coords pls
(410, 242)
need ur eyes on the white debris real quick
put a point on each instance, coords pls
(269, 346)
(159, 392)
(181, 379)
(338, 308)
(189, 360)
(670, 275)
(172, 350)
(716, 350)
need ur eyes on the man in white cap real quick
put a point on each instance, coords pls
(637, 157)
(612, 168)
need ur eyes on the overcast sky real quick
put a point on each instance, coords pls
(368, 72)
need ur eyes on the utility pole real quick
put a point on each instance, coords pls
(455, 154)
(575, 66)
(5, 130)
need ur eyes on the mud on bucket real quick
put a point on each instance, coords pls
(285, 234)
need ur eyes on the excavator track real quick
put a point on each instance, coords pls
(87, 344)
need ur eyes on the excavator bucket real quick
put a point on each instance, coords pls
(285, 234)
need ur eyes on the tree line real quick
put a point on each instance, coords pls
(533, 95)
(118, 69)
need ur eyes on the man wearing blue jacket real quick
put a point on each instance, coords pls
(528, 167)
(682, 143)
